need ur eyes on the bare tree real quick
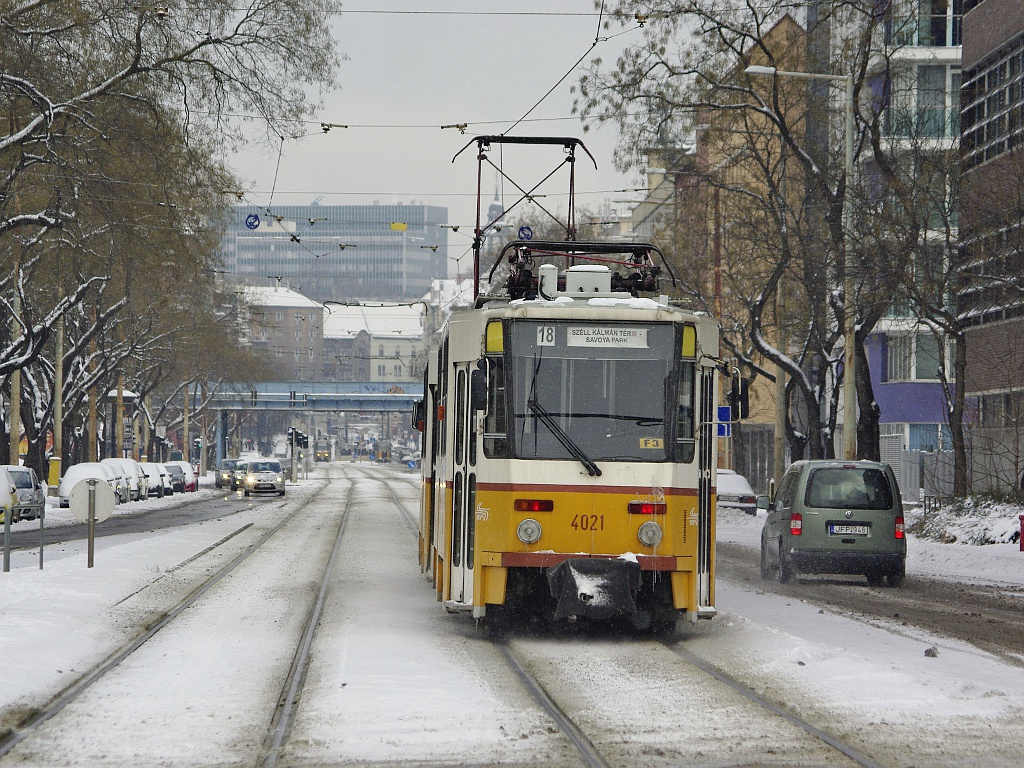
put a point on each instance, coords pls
(783, 215)
(69, 73)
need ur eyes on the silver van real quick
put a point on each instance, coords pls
(835, 517)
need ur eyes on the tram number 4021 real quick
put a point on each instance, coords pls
(588, 522)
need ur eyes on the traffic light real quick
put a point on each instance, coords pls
(305, 440)
(739, 398)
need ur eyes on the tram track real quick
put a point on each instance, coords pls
(24, 731)
(559, 676)
(748, 693)
(380, 475)
(285, 710)
(589, 753)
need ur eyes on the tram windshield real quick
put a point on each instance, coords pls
(590, 390)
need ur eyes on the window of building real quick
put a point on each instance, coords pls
(929, 437)
(398, 370)
(900, 353)
(992, 114)
(381, 370)
(923, 22)
(913, 357)
(1002, 409)
(926, 364)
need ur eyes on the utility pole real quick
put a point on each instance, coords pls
(202, 436)
(91, 451)
(144, 423)
(184, 427)
(15, 448)
(781, 405)
(779, 465)
(57, 453)
(119, 420)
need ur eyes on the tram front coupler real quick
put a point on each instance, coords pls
(594, 588)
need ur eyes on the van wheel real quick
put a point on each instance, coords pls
(766, 571)
(786, 572)
(895, 578)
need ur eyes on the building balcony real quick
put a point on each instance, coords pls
(941, 28)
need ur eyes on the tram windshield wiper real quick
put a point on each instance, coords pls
(567, 442)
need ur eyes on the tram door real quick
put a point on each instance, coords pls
(463, 492)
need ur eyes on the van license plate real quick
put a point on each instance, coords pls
(847, 530)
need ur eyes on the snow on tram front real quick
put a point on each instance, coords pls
(569, 445)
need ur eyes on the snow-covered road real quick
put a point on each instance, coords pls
(396, 681)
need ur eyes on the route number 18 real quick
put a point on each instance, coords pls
(545, 335)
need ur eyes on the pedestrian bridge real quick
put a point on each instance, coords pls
(318, 396)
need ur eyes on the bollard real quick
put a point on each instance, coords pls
(1020, 535)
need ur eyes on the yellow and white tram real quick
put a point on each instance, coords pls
(569, 447)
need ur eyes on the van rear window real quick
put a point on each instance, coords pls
(848, 488)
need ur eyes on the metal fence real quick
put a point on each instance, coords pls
(920, 474)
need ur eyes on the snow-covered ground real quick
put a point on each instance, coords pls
(876, 675)
(959, 561)
(872, 681)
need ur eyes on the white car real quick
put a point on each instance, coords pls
(264, 476)
(78, 472)
(8, 497)
(159, 482)
(129, 473)
(121, 483)
(734, 492)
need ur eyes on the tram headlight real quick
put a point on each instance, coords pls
(649, 533)
(529, 531)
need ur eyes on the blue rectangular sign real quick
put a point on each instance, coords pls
(724, 421)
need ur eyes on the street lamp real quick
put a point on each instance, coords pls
(849, 358)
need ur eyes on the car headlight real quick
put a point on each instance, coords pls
(279, 479)
(250, 479)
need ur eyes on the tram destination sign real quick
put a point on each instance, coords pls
(607, 336)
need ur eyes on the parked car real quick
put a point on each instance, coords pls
(121, 483)
(224, 476)
(129, 472)
(264, 476)
(166, 478)
(78, 472)
(30, 491)
(177, 475)
(734, 492)
(8, 497)
(159, 484)
(841, 517)
(143, 480)
(189, 473)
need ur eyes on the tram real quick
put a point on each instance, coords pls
(569, 445)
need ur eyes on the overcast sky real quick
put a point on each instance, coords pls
(413, 67)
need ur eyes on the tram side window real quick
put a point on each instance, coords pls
(442, 385)
(495, 420)
(460, 414)
(685, 444)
